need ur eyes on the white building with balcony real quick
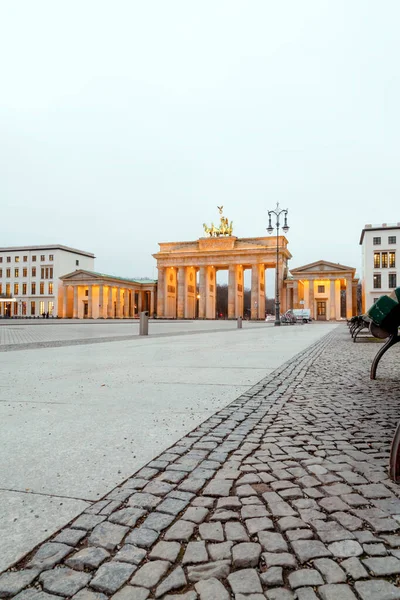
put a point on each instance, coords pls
(380, 261)
(30, 282)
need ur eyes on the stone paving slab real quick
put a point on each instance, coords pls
(333, 537)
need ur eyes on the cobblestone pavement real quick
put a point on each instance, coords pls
(281, 495)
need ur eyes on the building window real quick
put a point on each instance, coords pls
(16, 289)
(377, 241)
(33, 258)
(24, 286)
(77, 263)
(33, 271)
(321, 289)
(392, 280)
(377, 260)
(41, 307)
(42, 257)
(8, 258)
(24, 272)
(50, 288)
(51, 257)
(86, 292)
(377, 281)
(392, 260)
(384, 260)
(24, 308)
(392, 239)
(33, 307)
(17, 259)
(51, 272)
(33, 289)
(8, 289)
(16, 272)
(51, 308)
(15, 309)
(25, 259)
(42, 273)
(376, 300)
(1, 259)
(42, 287)
(1, 290)
(1, 272)
(8, 273)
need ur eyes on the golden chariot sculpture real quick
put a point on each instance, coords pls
(225, 227)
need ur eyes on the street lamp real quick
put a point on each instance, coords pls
(277, 212)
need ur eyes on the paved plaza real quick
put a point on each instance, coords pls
(244, 464)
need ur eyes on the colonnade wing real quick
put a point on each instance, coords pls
(94, 296)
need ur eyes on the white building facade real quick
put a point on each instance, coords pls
(30, 284)
(380, 261)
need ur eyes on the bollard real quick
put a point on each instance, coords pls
(144, 323)
(239, 322)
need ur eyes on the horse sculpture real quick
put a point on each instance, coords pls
(225, 227)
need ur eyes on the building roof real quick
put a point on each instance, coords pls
(47, 247)
(321, 266)
(96, 275)
(381, 227)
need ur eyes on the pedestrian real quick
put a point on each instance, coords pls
(47, 315)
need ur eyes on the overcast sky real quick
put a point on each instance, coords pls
(124, 124)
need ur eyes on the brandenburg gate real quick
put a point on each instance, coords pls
(187, 273)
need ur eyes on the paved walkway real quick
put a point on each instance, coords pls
(281, 495)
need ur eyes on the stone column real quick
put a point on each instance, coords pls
(90, 301)
(161, 292)
(311, 299)
(338, 286)
(140, 301)
(101, 302)
(151, 303)
(110, 312)
(254, 291)
(261, 294)
(118, 302)
(203, 293)
(65, 301)
(75, 309)
(354, 289)
(332, 301)
(349, 298)
(295, 294)
(232, 292)
(181, 292)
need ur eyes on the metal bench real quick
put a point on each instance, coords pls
(385, 323)
(384, 318)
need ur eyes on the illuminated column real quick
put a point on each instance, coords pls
(65, 301)
(211, 297)
(232, 291)
(349, 298)
(118, 300)
(261, 294)
(90, 301)
(151, 303)
(338, 286)
(239, 292)
(75, 310)
(181, 292)
(161, 292)
(295, 294)
(332, 301)
(254, 291)
(354, 289)
(311, 299)
(110, 311)
(140, 301)
(203, 293)
(101, 301)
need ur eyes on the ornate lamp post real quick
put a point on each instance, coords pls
(277, 212)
